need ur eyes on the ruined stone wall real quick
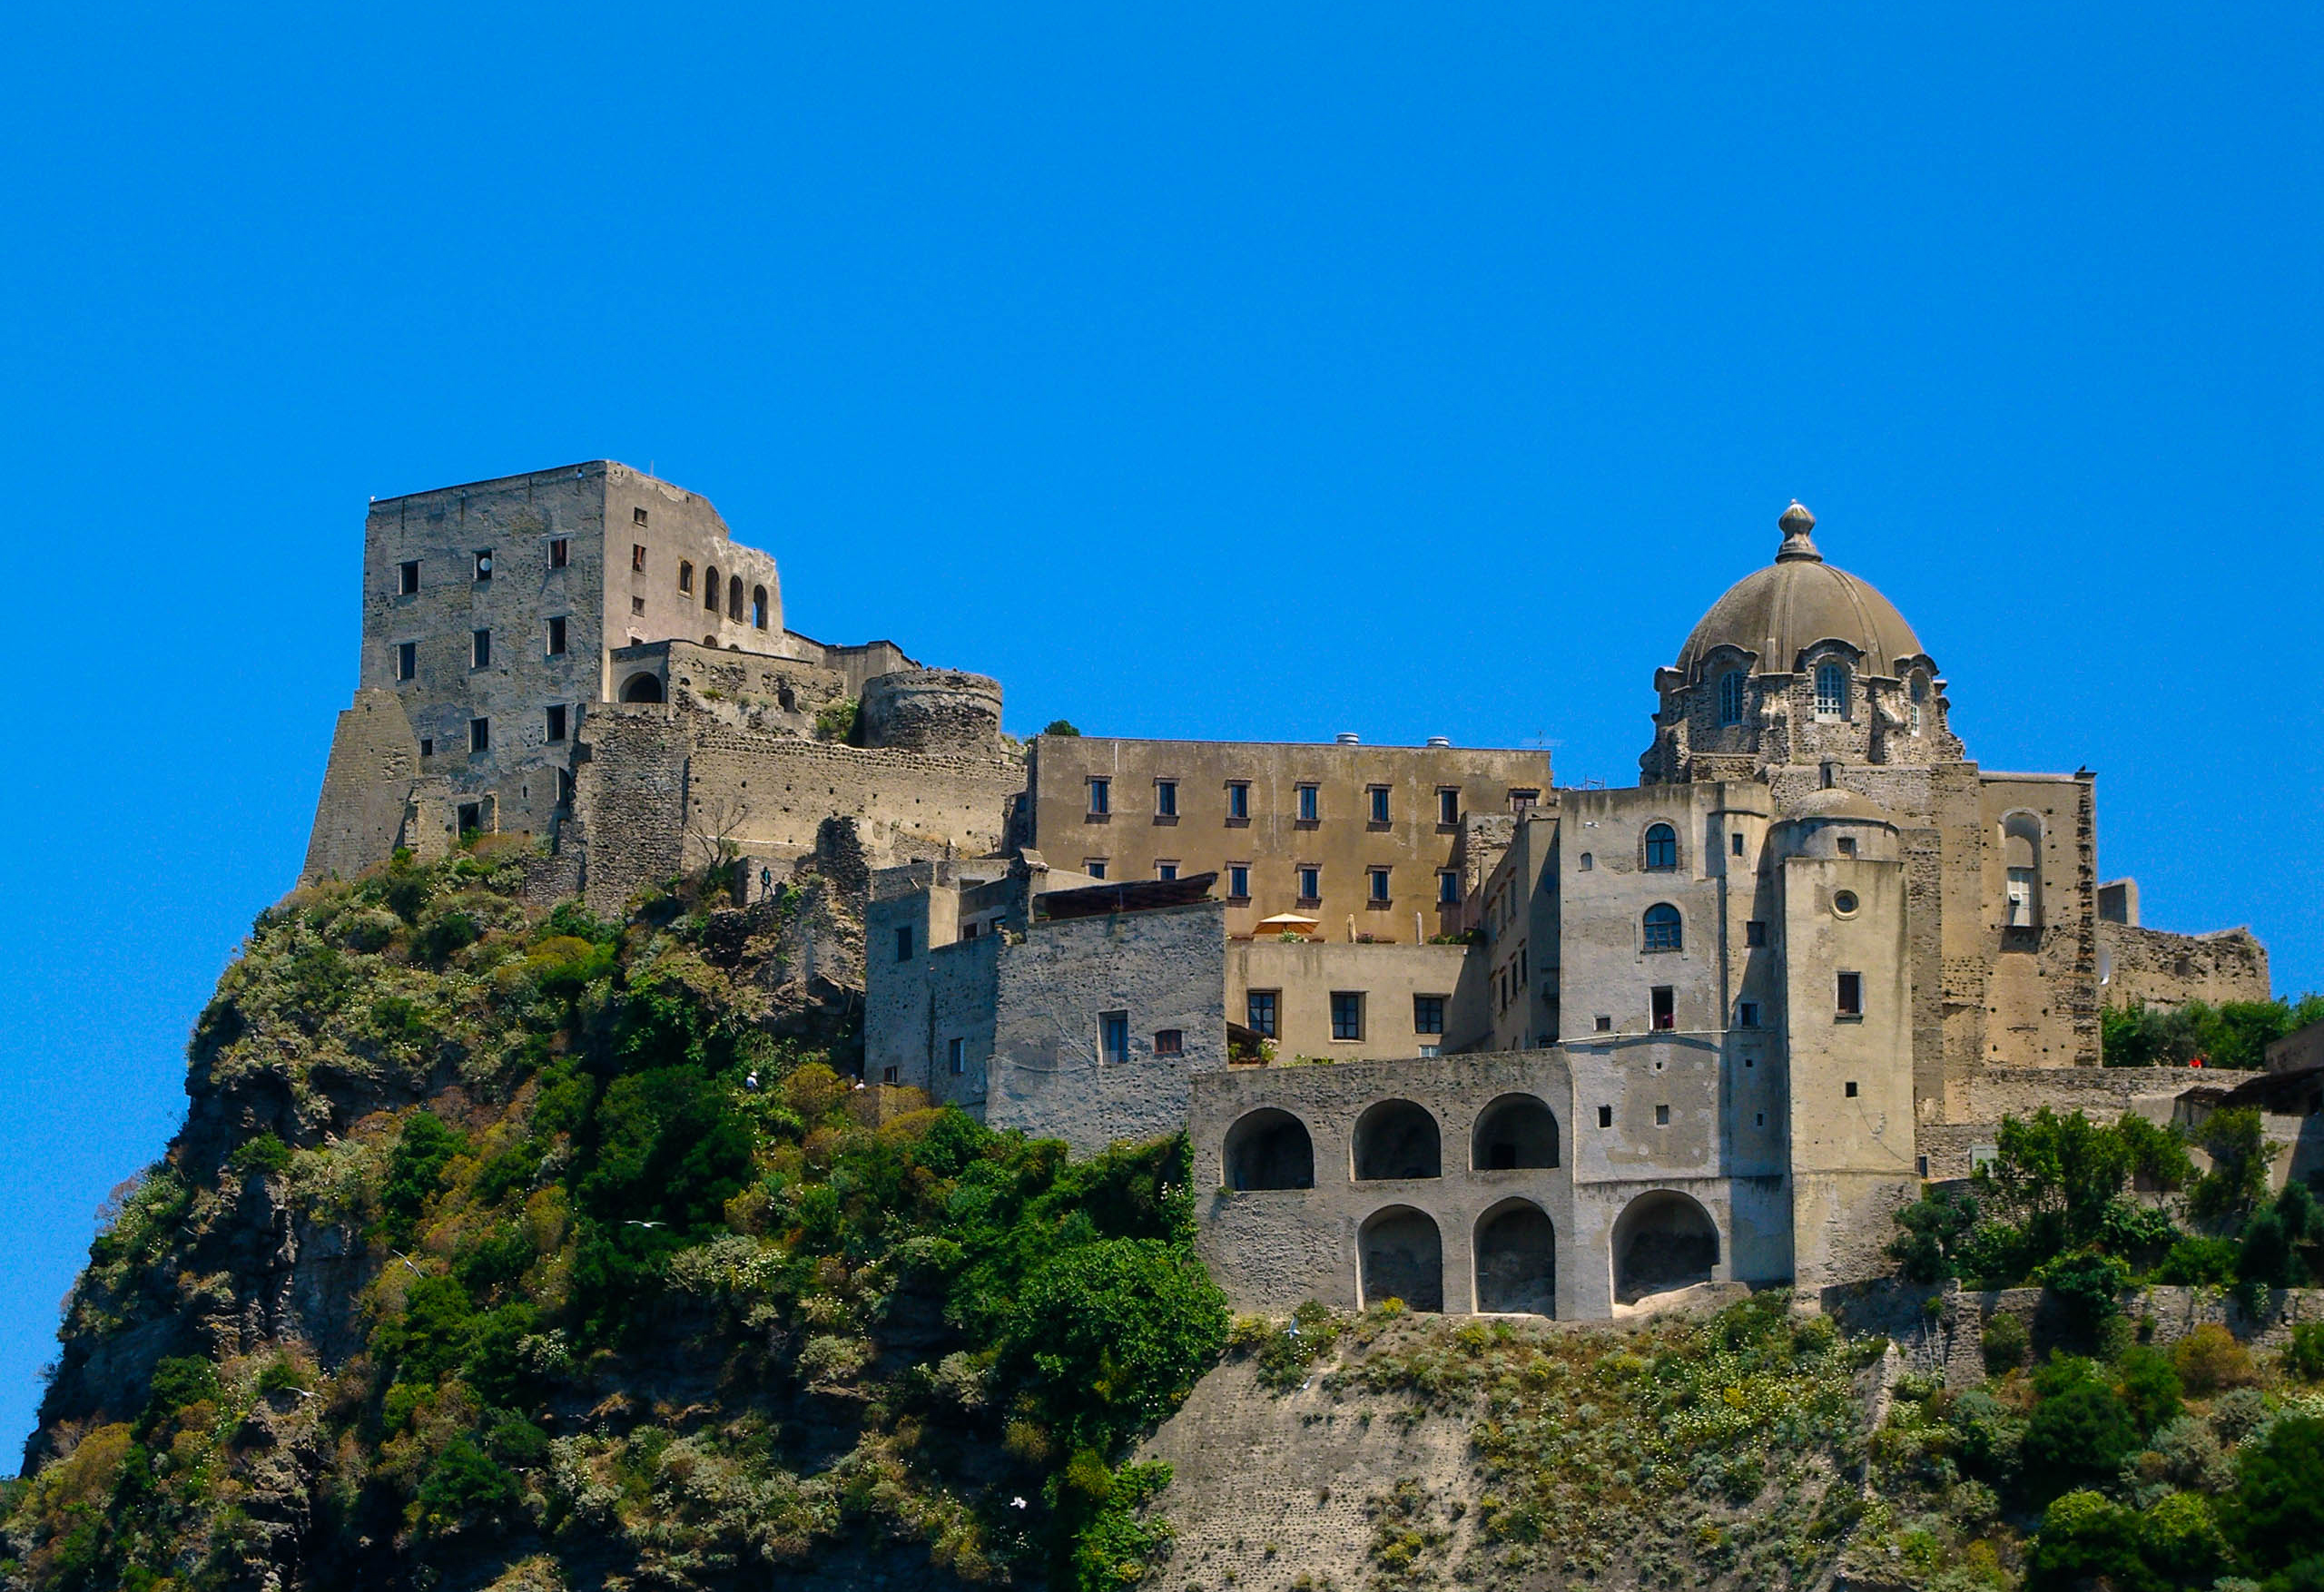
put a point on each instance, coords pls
(629, 804)
(359, 818)
(941, 711)
(2147, 967)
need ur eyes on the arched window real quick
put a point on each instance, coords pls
(1731, 697)
(735, 597)
(1661, 848)
(642, 688)
(1396, 1139)
(1831, 690)
(710, 588)
(758, 606)
(1269, 1148)
(1588, 862)
(1663, 932)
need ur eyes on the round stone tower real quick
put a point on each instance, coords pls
(932, 709)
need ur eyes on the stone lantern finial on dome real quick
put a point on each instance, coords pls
(1795, 522)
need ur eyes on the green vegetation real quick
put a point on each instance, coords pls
(838, 720)
(1061, 727)
(2236, 1033)
(2086, 1209)
(653, 1293)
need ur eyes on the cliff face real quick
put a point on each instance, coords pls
(504, 1246)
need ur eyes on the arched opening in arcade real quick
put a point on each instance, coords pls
(1517, 1260)
(1396, 1138)
(1270, 1149)
(1663, 1240)
(1514, 1133)
(1402, 1256)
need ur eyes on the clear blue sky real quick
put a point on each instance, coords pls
(1403, 371)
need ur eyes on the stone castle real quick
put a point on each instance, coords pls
(1438, 1028)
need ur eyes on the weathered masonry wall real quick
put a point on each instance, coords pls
(767, 795)
(2147, 967)
(374, 758)
(1164, 969)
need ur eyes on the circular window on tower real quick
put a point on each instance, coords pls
(1844, 904)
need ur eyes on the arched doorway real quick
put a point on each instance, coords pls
(1401, 1257)
(1517, 1258)
(1514, 1133)
(1397, 1138)
(1663, 1240)
(642, 688)
(1270, 1149)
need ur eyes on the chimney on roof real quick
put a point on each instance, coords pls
(1347, 738)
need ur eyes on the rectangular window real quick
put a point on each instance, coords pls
(1605, 1116)
(1310, 804)
(408, 577)
(887, 1075)
(556, 636)
(686, 578)
(1448, 804)
(1735, 844)
(1662, 1117)
(427, 746)
(2021, 899)
(1848, 845)
(1166, 798)
(1165, 870)
(1448, 888)
(956, 1057)
(1746, 1013)
(1095, 867)
(1377, 795)
(1755, 932)
(472, 817)
(1851, 1089)
(1238, 801)
(1519, 801)
(638, 607)
(637, 517)
(406, 660)
(1113, 1036)
(1428, 1014)
(1238, 882)
(1851, 995)
(560, 552)
(1603, 1024)
(1259, 1006)
(1663, 1004)
(637, 557)
(970, 929)
(556, 720)
(1311, 884)
(1347, 1014)
(480, 650)
(479, 735)
(1101, 798)
(903, 942)
(484, 564)
(1169, 1042)
(1379, 885)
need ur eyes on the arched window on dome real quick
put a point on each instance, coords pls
(1731, 697)
(1920, 700)
(1832, 692)
(1663, 931)
(1661, 848)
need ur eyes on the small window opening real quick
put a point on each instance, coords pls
(1448, 804)
(903, 942)
(636, 607)
(1448, 888)
(408, 577)
(1731, 697)
(480, 650)
(1166, 798)
(1755, 933)
(556, 637)
(1238, 801)
(1378, 797)
(1832, 691)
(1735, 843)
(1747, 1016)
(1310, 804)
(1113, 1029)
(479, 735)
(1347, 1014)
(1605, 1116)
(1662, 1117)
(408, 660)
(1379, 882)
(1661, 848)
(1428, 1014)
(556, 720)
(1851, 995)
(560, 552)
(1238, 882)
(1851, 1089)
(1588, 862)
(1519, 801)
(887, 1075)
(484, 564)
(735, 597)
(1664, 930)
(471, 818)
(1169, 1042)
(1663, 1005)
(1101, 798)
(637, 517)
(1165, 872)
(956, 1058)
(1311, 884)
(1095, 867)
(1603, 1024)
(686, 578)
(710, 591)
(758, 608)
(1260, 1007)
(1848, 845)
(427, 746)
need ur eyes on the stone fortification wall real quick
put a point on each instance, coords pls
(374, 758)
(932, 710)
(2147, 967)
(664, 787)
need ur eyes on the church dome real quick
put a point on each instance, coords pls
(1796, 602)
